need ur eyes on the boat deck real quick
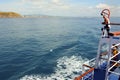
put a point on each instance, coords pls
(100, 74)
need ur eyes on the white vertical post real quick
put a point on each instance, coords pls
(98, 54)
(108, 62)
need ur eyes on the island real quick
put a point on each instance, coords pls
(10, 15)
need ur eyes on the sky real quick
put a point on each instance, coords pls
(73, 8)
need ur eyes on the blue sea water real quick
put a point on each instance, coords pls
(47, 48)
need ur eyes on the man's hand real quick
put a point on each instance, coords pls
(103, 22)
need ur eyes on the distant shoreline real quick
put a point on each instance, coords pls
(17, 15)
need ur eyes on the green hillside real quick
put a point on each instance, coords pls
(9, 15)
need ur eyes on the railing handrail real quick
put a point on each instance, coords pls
(115, 55)
(114, 72)
(84, 74)
(116, 45)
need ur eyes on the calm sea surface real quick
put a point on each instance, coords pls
(47, 48)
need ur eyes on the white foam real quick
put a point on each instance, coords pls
(67, 68)
(51, 50)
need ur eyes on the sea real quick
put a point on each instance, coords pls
(52, 48)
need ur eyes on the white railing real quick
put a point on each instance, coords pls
(115, 55)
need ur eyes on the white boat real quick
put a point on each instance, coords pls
(106, 65)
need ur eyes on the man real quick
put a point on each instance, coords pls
(107, 25)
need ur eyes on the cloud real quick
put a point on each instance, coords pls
(103, 6)
(47, 7)
(58, 8)
(55, 1)
(53, 4)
